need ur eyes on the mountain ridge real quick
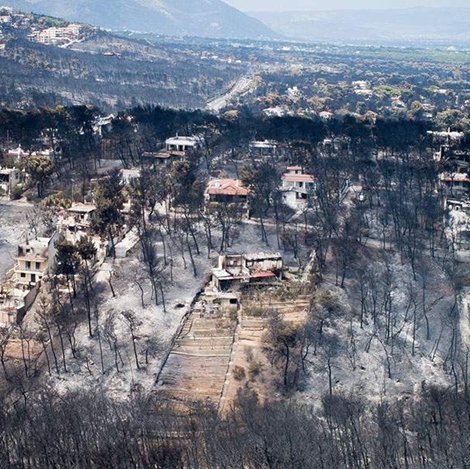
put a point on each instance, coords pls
(414, 25)
(205, 18)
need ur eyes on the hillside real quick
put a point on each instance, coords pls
(210, 18)
(93, 66)
(412, 25)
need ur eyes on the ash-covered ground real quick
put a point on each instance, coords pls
(13, 226)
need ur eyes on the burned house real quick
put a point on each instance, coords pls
(456, 184)
(227, 192)
(296, 187)
(75, 222)
(33, 261)
(10, 179)
(230, 191)
(176, 148)
(263, 148)
(236, 270)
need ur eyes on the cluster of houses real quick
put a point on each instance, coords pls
(38, 31)
(56, 36)
(36, 257)
(297, 188)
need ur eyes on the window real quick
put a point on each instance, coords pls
(22, 275)
(38, 265)
(28, 265)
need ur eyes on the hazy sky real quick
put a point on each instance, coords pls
(286, 5)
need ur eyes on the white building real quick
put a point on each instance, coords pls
(235, 270)
(183, 144)
(10, 178)
(263, 147)
(82, 213)
(34, 259)
(130, 175)
(57, 35)
(326, 115)
(17, 153)
(296, 187)
(103, 123)
(74, 222)
(447, 136)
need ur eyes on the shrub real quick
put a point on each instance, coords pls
(239, 373)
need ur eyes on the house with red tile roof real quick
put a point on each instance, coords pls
(227, 191)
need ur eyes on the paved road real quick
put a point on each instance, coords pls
(244, 84)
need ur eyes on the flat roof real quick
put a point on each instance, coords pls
(131, 171)
(182, 141)
(222, 274)
(263, 144)
(263, 255)
(82, 208)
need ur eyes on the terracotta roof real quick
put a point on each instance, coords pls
(298, 178)
(231, 187)
(263, 274)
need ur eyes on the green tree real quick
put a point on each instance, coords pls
(40, 169)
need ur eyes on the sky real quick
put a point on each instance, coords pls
(289, 5)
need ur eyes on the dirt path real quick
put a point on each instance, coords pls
(197, 364)
(219, 351)
(249, 365)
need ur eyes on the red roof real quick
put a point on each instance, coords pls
(298, 178)
(232, 187)
(263, 274)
